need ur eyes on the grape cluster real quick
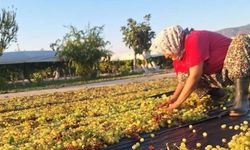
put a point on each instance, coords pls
(93, 118)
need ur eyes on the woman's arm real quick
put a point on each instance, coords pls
(177, 92)
(182, 78)
(190, 85)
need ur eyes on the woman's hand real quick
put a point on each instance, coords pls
(170, 108)
(166, 103)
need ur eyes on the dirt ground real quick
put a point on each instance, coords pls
(91, 85)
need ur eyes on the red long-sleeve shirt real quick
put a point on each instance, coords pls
(210, 47)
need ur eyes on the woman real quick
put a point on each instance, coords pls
(200, 55)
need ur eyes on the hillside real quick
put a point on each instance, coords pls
(230, 32)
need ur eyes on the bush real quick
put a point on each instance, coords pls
(162, 62)
(3, 82)
(38, 77)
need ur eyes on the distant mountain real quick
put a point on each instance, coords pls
(230, 32)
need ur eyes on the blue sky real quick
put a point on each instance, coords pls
(41, 21)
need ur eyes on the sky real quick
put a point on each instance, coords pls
(42, 22)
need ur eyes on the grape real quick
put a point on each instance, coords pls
(198, 144)
(223, 126)
(152, 135)
(204, 134)
(223, 140)
(245, 122)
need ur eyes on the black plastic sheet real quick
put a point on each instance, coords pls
(173, 136)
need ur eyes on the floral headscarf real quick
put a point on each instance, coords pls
(169, 41)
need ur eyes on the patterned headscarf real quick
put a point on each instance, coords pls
(170, 41)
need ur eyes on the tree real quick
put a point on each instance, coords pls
(83, 49)
(138, 36)
(8, 28)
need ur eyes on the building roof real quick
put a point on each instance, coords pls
(28, 57)
(130, 56)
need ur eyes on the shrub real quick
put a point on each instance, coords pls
(38, 77)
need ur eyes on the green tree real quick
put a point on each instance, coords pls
(83, 49)
(138, 36)
(8, 28)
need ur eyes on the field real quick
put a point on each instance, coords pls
(95, 118)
